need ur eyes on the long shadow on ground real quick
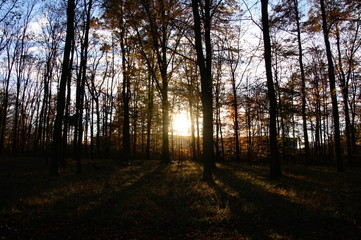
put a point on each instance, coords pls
(60, 208)
(149, 200)
(262, 214)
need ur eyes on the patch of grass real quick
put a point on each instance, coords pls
(150, 200)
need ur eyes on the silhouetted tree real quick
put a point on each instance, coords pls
(275, 169)
(202, 26)
(333, 91)
(57, 135)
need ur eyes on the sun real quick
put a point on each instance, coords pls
(181, 124)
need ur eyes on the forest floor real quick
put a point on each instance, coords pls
(149, 200)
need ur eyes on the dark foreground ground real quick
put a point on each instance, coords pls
(148, 200)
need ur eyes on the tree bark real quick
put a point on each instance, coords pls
(235, 110)
(80, 95)
(345, 94)
(205, 67)
(275, 168)
(126, 94)
(57, 136)
(149, 115)
(159, 34)
(10, 64)
(333, 91)
(303, 85)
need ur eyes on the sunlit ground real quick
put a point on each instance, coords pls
(148, 200)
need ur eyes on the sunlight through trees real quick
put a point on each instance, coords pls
(212, 81)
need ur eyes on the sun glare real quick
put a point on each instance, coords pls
(181, 124)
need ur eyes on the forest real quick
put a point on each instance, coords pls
(180, 119)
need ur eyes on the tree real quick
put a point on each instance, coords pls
(347, 25)
(10, 61)
(126, 92)
(159, 26)
(80, 86)
(275, 169)
(57, 135)
(150, 106)
(333, 91)
(9, 15)
(303, 82)
(233, 55)
(22, 54)
(51, 40)
(219, 93)
(204, 62)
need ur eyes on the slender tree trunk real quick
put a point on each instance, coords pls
(23, 118)
(275, 168)
(351, 77)
(345, 93)
(235, 110)
(333, 91)
(193, 137)
(135, 132)
(80, 95)
(303, 85)
(221, 136)
(249, 135)
(16, 114)
(10, 64)
(57, 138)
(111, 104)
(217, 112)
(97, 110)
(126, 93)
(67, 107)
(249, 124)
(198, 131)
(162, 62)
(149, 115)
(218, 155)
(86, 127)
(318, 133)
(92, 130)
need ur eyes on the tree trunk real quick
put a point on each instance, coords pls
(67, 107)
(193, 137)
(345, 92)
(303, 85)
(80, 94)
(135, 131)
(10, 64)
(126, 93)
(235, 110)
(275, 168)
(57, 140)
(198, 131)
(165, 118)
(149, 115)
(205, 67)
(333, 91)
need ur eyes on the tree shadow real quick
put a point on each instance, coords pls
(262, 214)
(168, 201)
(157, 206)
(156, 203)
(64, 207)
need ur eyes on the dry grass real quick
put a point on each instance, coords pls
(148, 200)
